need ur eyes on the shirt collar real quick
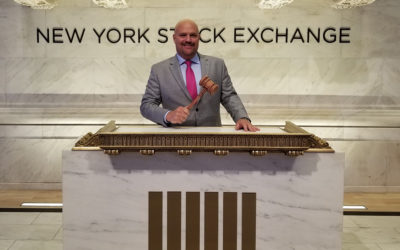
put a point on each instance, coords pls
(181, 61)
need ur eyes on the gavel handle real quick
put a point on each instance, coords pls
(190, 106)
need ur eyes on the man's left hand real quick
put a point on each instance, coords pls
(246, 125)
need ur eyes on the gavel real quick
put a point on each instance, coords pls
(208, 86)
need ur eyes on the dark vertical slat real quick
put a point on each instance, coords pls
(192, 221)
(155, 220)
(248, 221)
(230, 221)
(211, 221)
(173, 220)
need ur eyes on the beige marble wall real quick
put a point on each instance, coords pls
(50, 94)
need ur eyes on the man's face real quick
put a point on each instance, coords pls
(186, 38)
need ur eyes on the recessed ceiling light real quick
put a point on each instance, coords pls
(358, 207)
(41, 204)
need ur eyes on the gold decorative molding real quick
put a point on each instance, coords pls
(258, 152)
(320, 150)
(147, 151)
(221, 152)
(111, 151)
(294, 153)
(184, 151)
(217, 142)
(92, 140)
(293, 141)
(86, 149)
(315, 141)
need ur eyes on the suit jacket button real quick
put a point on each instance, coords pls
(197, 109)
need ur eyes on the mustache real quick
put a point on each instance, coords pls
(188, 43)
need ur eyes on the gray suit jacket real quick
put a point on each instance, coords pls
(167, 87)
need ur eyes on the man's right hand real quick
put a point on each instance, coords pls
(177, 116)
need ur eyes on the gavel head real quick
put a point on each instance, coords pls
(209, 85)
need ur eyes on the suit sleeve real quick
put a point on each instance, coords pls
(150, 106)
(230, 99)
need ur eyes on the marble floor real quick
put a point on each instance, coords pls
(43, 231)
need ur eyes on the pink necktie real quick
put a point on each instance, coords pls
(190, 80)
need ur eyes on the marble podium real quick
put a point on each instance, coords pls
(202, 200)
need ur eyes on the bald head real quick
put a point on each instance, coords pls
(186, 22)
(186, 38)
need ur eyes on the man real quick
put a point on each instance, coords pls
(174, 83)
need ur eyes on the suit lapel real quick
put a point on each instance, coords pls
(176, 72)
(204, 65)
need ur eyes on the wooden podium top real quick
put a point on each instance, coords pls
(291, 140)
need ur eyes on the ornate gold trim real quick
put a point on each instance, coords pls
(147, 151)
(205, 142)
(294, 152)
(111, 151)
(316, 142)
(92, 140)
(86, 149)
(320, 150)
(219, 143)
(184, 151)
(258, 152)
(221, 152)
(294, 141)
